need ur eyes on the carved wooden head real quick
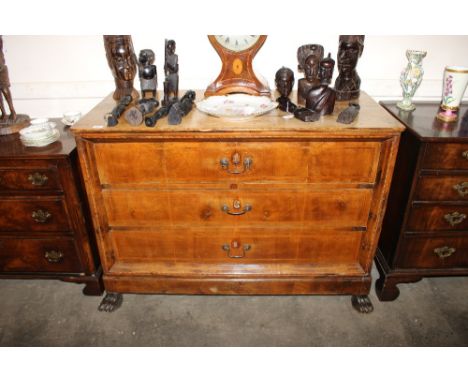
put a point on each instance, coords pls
(284, 80)
(349, 50)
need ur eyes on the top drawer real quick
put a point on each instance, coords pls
(213, 162)
(446, 156)
(33, 179)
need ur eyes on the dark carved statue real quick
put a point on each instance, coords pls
(284, 80)
(148, 73)
(113, 117)
(348, 115)
(309, 57)
(5, 87)
(171, 71)
(181, 108)
(348, 83)
(162, 112)
(135, 115)
(123, 63)
(321, 99)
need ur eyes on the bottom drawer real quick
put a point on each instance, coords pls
(238, 245)
(433, 253)
(39, 255)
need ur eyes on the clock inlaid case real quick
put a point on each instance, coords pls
(237, 75)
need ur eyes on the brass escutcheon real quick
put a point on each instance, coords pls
(444, 252)
(41, 216)
(236, 164)
(465, 154)
(236, 245)
(53, 256)
(237, 205)
(38, 179)
(461, 188)
(455, 218)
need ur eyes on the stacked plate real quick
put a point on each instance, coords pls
(39, 134)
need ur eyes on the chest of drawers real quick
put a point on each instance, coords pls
(43, 231)
(266, 206)
(425, 230)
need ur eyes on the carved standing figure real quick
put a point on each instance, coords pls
(148, 73)
(348, 83)
(123, 64)
(5, 88)
(309, 57)
(171, 71)
(321, 99)
(284, 80)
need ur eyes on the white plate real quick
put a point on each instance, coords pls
(236, 106)
(41, 142)
(39, 131)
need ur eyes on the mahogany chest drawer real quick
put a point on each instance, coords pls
(52, 254)
(34, 179)
(435, 252)
(442, 188)
(237, 245)
(441, 217)
(326, 208)
(446, 156)
(220, 162)
(39, 214)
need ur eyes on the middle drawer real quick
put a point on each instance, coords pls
(345, 208)
(39, 214)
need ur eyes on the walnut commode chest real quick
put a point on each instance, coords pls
(265, 206)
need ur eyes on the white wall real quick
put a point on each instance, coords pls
(53, 74)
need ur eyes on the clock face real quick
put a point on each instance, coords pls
(237, 43)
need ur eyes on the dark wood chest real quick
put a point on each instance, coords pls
(43, 215)
(425, 230)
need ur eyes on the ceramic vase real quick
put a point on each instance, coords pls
(453, 88)
(411, 78)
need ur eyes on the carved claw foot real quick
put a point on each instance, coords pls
(111, 302)
(362, 304)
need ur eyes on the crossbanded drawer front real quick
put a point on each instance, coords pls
(221, 162)
(435, 253)
(425, 217)
(446, 156)
(35, 179)
(38, 255)
(442, 187)
(39, 214)
(330, 208)
(237, 245)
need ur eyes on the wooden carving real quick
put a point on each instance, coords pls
(148, 73)
(237, 74)
(348, 83)
(284, 80)
(123, 64)
(171, 70)
(321, 99)
(309, 57)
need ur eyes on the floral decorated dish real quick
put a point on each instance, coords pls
(236, 106)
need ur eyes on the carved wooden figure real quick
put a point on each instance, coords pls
(182, 108)
(309, 57)
(113, 117)
(171, 71)
(321, 99)
(148, 73)
(348, 83)
(284, 80)
(349, 115)
(123, 64)
(163, 111)
(5, 87)
(136, 114)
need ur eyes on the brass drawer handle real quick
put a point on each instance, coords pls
(237, 205)
(41, 216)
(455, 218)
(38, 179)
(444, 252)
(236, 164)
(461, 188)
(233, 249)
(465, 154)
(54, 256)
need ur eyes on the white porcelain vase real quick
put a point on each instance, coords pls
(453, 89)
(411, 78)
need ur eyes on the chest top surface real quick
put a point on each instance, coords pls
(11, 146)
(372, 119)
(426, 126)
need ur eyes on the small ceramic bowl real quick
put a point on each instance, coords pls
(71, 117)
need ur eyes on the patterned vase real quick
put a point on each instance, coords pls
(454, 86)
(411, 78)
